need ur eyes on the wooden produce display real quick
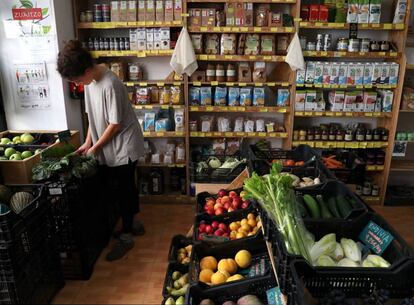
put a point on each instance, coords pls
(20, 171)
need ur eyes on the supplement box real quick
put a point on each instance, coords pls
(359, 102)
(159, 10)
(363, 11)
(376, 73)
(150, 10)
(320, 101)
(353, 9)
(368, 70)
(282, 98)
(336, 99)
(132, 10)
(385, 73)
(141, 10)
(387, 99)
(375, 11)
(350, 98)
(359, 74)
(318, 78)
(351, 75)
(310, 72)
(343, 73)
(326, 73)
(394, 70)
(178, 9)
(378, 103)
(123, 11)
(114, 11)
(334, 79)
(369, 101)
(300, 77)
(133, 39)
(310, 101)
(300, 100)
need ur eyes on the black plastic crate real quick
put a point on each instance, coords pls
(177, 242)
(314, 283)
(333, 189)
(183, 269)
(256, 247)
(201, 199)
(41, 140)
(226, 219)
(81, 224)
(215, 175)
(257, 287)
(300, 153)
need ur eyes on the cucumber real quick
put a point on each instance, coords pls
(344, 206)
(324, 209)
(353, 202)
(333, 207)
(312, 205)
(301, 207)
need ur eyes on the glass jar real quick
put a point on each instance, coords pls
(342, 44)
(349, 135)
(368, 135)
(366, 189)
(296, 135)
(374, 46)
(220, 73)
(332, 135)
(385, 46)
(375, 190)
(317, 134)
(211, 73)
(353, 45)
(231, 73)
(365, 44)
(310, 135)
(302, 135)
(340, 135)
(358, 190)
(325, 135)
(384, 134)
(376, 134)
(311, 46)
(89, 16)
(360, 134)
(82, 17)
(380, 160)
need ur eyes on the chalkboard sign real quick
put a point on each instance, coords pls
(376, 238)
(64, 136)
(275, 297)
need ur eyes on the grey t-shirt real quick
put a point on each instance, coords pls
(107, 102)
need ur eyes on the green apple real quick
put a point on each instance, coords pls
(9, 152)
(16, 157)
(26, 154)
(17, 142)
(27, 138)
(38, 151)
(5, 141)
(16, 139)
(3, 158)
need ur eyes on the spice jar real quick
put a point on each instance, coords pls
(296, 135)
(353, 45)
(366, 189)
(311, 46)
(302, 135)
(365, 44)
(211, 73)
(358, 190)
(360, 134)
(349, 135)
(332, 135)
(317, 134)
(231, 73)
(380, 158)
(342, 44)
(385, 46)
(368, 135)
(376, 134)
(374, 46)
(220, 73)
(310, 135)
(375, 190)
(89, 16)
(384, 134)
(82, 17)
(325, 135)
(340, 134)
(134, 72)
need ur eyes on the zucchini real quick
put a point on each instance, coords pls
(344, 206)
(333, 207)
(324, 209)
(312, 205)
(301, 207)
(353, 202)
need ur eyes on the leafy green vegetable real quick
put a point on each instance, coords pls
(325, 246)
(351, 249)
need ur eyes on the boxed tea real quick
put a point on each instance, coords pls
(132, 10)
(318, 78)
(178, 9)
(350, 98)
(310, 72)
(337, 99)
(310, 101)
(300, 100)
(359, 101)
(368, 71)
(300, 77)
(159, 10)
(359, 74)
(326, 73)
(387, 99)
(141, 10)
(343, 73)
(115, 11)
(369, 101)
(393, 74)
(123, 11)
(334, 79)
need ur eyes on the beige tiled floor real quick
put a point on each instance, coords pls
(139, 277)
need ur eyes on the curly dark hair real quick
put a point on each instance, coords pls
(73, 60)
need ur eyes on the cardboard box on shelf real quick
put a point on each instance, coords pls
(385, 73)
(369, 101)
(123, 11)
(300, 100)
(387, 99)
(141, 10)
(208, 17)
(169, 13)
(133, 39)
(359, 74)
(115, 11)
(334, 79)
(165, 33)
(132, 10)
(394, 70)
(368, 70)
(376, 73)
(359, 101)
(343, 73)
(310, 72)
(310, 101)
(238, 14)
(337, 99)
(320, 101)
(248, 14)
(157, 35)
(318, 79)
(150, 10)
(350, 98)
(300, 77)
(178, 9)
(150, 35)
(230, 14)
(159, 10)
(327, 73)
(195, 16)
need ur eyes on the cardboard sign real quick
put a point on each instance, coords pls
(64, 136)
(376, 238)
(275, 297)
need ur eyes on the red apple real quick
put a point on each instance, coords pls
(232, 194)
(210, 202)
(219, 211)
(237, 202)
(245, 204)
(218, 200)
(210, 211)
(225, 199)
(205, 208)
(202, 228)
(222, 193)
(223, 227)
(215, 224)
(227, 205)
(231, 209)
(226, 234)
(200, 237)
(209, 229)
(219, 232)
(217, 206)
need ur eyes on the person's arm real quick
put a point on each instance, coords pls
(108, 134)
(86, 145)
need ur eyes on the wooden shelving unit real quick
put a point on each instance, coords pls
(252, 109)
(402, 166)
(238, 58)
(359, 55)
(241, 29)
(345, 26)
(342, 114)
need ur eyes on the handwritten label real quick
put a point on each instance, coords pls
(275, 296)
(376, 238)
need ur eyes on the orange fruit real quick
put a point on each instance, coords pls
(233, 234)
(205, 275)
(252, 223)
(243, 221)
(233, 226)
(208, 262)
(259, 224)
(240, 235)
(243, 259)
(228, 265)
(251, 233)
(238, 223)
(246, 227)
(235, 277)
(251, 216)
(219, 277)
(241, 230)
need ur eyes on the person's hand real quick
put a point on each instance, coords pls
(93, 151)
(83, 150)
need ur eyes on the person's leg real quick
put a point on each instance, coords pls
(125, 243)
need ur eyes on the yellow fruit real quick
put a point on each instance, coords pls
(251, 233)
(208, 262)
(238, 223)
(228, 265)
(255, 229)
(243, 258)
(246, 227)
(252, 223)
(259, 224)
(244, 221)
(242, 231)
(219, 277)
(240, 235)
(235, 277)
(257, 218)
(251, 216)
(205, 275)
(233, 226)
(233, 234)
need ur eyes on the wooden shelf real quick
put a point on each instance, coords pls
(341, 144)
(346, 86)
(243, 1)
(342, 114)
(251, 109)
(120, 25)
(159, 83)
(154, 106)
(164, 134)
(241, 84)
(406, 111)
(268, 58)
(241, 29)
(179, 165)
(345, 26)
(402, 166)
(409, 67)
(196, 134)
(361, 55)
(148, 53)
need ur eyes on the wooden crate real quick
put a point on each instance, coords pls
(20, 172)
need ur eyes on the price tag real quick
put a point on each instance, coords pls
(381, 53)
(362, 53)
(318, 24)
(264, 109)
(149, 22)
(141, 23)
(228, 56)
(194, 108)
(64, 136)
(242, 84)
(311, 144)
(185, 15)
(160, 84)
(312, 53)
(253, 57)
(160, 134)
(359, 86)
(294, 143)
(244, 29)
(339, 114)
(399, 26)
(275, 297)
(282, 110)
(340, 25)
(55, 191)
(177, 84)
(213, 57)
(380, 167)
(230, 84)
(240, 134)
(363, 25)
(370, 145)
(377, 144)
(343, 86)
(393, 54)
(165, 106)
(258, 84)
(308, 113)
(158, 22)
(203, 57)
(203, 29)
(141, 54)
(334, 86)
(177, 22)
(368, 86)
(329, 113)
(228, 134)
(370, 168)
(129, 84)
(363, 144)
(241, 108)
(218, 134)
(387, 26)
(349, 114)
(320, 86)
(376, 238)
(148, 107)
(262, 134)
(193, 134)
(340, 144)
(299, 113)
(274, 29)
(257, 29)
(227, 29)
(214, 83)
(196, 83)
(289, 30)
(209, 108)
(319, 144)
(318, 113)
(324, 53)
(232, 108)
(368, 113)
(251, 134)
(283, 135)
(377, 114)
(304, 24)
(209, 134)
